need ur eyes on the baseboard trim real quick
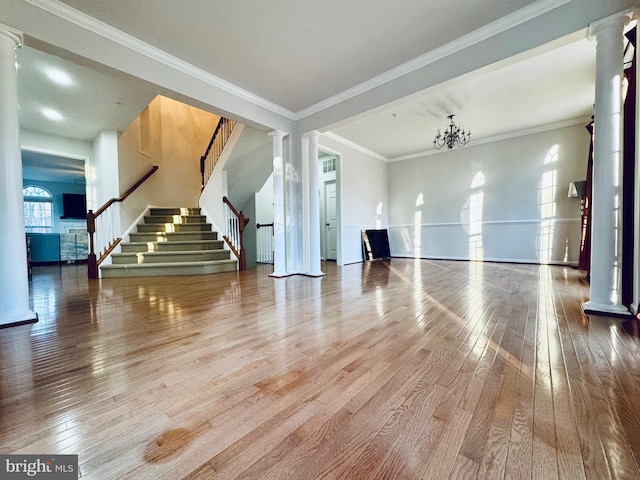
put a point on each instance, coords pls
(21, 322)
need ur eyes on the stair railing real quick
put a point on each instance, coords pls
(103, 227)
(264, 243)
(218, 140)
(235, 222)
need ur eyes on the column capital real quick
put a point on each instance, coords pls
(278, 134)
(614, 22)
(312, 134)
(12, 34)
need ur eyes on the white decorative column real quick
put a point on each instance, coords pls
(314, 206)
(14, 280)
(279, 227)
(606, 233)
(635, 306)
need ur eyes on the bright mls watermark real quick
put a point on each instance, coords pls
(51, 467)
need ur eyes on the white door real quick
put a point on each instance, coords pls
(331, 225)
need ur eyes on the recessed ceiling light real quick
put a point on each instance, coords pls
(58, 76)
(52, 114)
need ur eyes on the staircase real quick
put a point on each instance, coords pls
(171, 241)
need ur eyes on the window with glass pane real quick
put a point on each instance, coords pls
(38, 210)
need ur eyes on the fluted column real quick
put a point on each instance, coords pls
(606, 233)
(314, 206)
(279, 226)
(14, 281)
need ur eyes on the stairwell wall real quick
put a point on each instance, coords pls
(173, 136)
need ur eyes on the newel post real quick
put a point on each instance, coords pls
(92, 263)
(242, 223)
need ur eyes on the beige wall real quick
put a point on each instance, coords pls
(173, 136)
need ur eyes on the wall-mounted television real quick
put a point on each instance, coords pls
(74, 205)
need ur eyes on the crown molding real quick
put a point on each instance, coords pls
(355, 146)
(108, 32)
(12, 34)
(496, 27)
(498, 138)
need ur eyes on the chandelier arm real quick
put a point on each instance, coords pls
(453, 135)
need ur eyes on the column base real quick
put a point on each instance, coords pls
(605, 309)
(279, 274)
(16, 320)
(316, 273)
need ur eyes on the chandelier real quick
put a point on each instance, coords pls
(453, 136)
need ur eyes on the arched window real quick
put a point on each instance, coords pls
(38, 210)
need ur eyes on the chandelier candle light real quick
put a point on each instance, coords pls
(453, 136)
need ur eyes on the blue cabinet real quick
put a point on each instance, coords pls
(56, 247)
(45, 247)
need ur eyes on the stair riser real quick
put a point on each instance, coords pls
(133, 258)
(168, 237)
(175, 219)
(172, 246)
(171, 227)
(174, 211)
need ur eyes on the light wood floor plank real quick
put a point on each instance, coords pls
(400, 369)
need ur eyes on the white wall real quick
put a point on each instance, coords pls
(264, 202)
(104, 168)
(176, 135)
(211, 197)
(518, 211)
(363, 197)
(54, 144)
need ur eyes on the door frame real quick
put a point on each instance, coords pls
(324, 243)
(323, 240)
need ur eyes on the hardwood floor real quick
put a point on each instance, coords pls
(403, 369)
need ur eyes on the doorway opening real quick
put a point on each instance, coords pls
(329, 205)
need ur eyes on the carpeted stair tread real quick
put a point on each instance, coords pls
(172, 268)
(171, 241)
(174, 256)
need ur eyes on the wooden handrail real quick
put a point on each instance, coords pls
(223, 130)
(213, 138)
(239, 251)
(92, 261)
(233, 209)
(127, 193)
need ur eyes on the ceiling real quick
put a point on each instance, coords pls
(298, 56)
(45, 167)
(295, 53)
(86, 100)
(548, 86)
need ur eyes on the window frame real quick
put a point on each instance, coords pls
(48, 199)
